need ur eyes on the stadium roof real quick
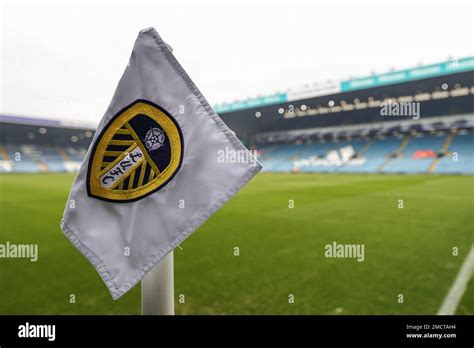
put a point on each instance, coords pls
(333, 87)
(45, 122)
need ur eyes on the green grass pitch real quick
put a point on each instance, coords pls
(408, 251)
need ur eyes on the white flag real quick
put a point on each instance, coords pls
(161, 162)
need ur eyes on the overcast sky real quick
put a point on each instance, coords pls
(64, 60)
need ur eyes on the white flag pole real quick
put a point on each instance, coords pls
(158, 284)
(158, 289)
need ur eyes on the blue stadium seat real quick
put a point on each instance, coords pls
(462, 146)
(406, 162)
(374, 153)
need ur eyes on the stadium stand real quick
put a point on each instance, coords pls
(460, 155)
(333, 128)
(36, 145)
(343, 129)
(443, 152)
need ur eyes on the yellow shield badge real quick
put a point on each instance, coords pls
(137, 153)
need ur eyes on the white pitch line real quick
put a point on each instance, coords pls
(451, 300)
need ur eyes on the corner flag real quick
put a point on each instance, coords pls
(154, 171)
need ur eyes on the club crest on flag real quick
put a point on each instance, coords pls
(137, 153)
